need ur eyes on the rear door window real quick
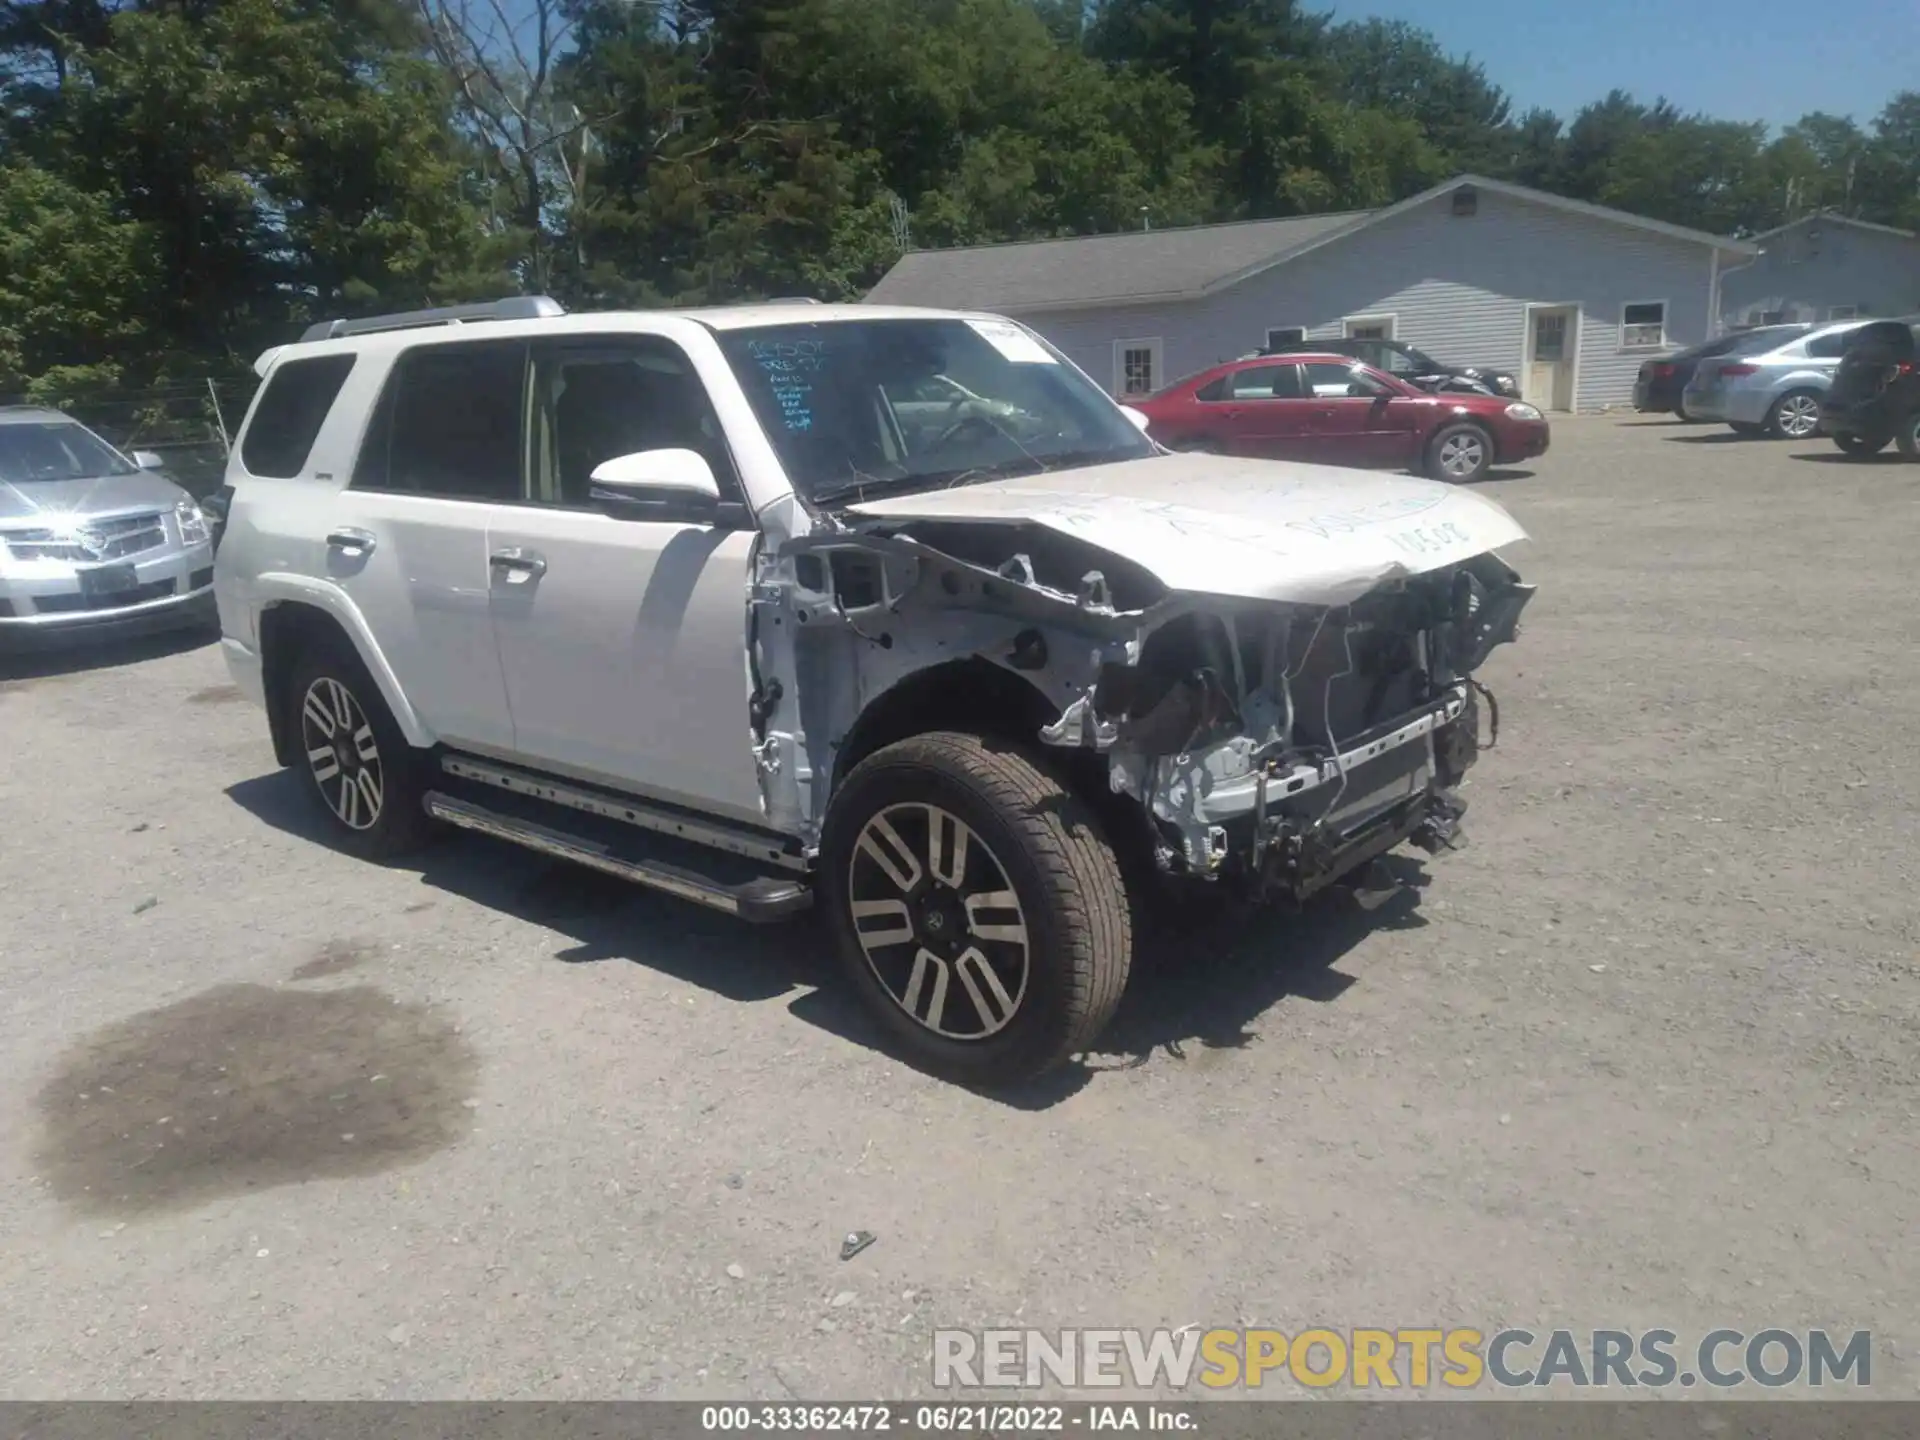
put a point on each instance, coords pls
(449, 423)
(291, 411)
(1265, 382)
(1833, 344)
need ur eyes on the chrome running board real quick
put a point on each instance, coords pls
(762, 899)
(761, 848)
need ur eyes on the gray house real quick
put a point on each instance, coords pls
(1824, 267)
(1568, 296)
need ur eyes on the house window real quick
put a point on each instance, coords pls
(1286, 335)
(1369, 327)
(1136, 367)
(1643, 325)
(1844, 312)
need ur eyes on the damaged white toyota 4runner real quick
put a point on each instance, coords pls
(891, 608)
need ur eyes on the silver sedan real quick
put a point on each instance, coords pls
(1775, 392)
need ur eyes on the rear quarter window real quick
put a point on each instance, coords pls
(291, 410)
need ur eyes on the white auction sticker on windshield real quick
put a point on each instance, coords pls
(1011, 341)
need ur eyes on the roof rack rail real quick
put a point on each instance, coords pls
(513, 307)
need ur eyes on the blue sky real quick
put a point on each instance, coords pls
(1770, 60)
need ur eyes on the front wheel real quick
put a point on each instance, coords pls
(1459, 453)
(357, 763)
(1862, 444)
(1794, 416)
(1907, 436)
(977, 906)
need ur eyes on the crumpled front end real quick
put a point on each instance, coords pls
(1273, 746)
(1280, 748)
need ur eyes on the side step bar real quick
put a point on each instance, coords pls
(760, 900)
(761, 848)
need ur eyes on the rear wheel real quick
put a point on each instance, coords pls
(1794, 416)
(359, 766)
(1862, 444)
(1907, 436)
(1459, 453)
(978, 907)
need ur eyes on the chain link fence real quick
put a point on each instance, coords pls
(188, 424)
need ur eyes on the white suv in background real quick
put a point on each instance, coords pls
(893, 608)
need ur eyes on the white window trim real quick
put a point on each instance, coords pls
(1273, 330)
(1155, 347)
(1666, 309)
(1392, 321)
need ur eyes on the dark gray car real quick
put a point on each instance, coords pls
(93, 540)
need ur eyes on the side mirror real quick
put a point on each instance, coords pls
(656, 485)
(1138, 417)
(147, 460)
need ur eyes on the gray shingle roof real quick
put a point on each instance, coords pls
(1089, 269)
(1182, 264)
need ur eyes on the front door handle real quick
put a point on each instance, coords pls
(519, 563)
(351, 542)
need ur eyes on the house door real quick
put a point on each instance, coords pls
(1552, 338)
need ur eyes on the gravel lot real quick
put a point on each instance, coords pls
(1641, 1056)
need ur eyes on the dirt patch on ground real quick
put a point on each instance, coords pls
(243, 1087)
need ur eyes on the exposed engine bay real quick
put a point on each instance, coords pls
(1273, 745)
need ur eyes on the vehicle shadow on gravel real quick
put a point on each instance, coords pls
(23, 666)
(1718, 437)
(1835, 457)
(1200, 986)
(1197, 984)
(1501, 477)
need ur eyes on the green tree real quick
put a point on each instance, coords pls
(276, 159)
(1399, 70)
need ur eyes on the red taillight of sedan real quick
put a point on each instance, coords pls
(1739, 369)
(1659, 372)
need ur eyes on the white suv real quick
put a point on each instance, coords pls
(719, 602)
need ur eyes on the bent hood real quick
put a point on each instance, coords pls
(1254, 529)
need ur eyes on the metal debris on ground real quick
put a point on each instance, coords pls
(856, 1241)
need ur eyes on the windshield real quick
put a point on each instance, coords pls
(56, 450)
(856, 408)
(1759, 342)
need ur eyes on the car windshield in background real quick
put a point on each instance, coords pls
(1759, 342)
(857, 408)
(31, 451)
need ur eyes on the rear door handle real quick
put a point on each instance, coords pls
(519, 563)
(351, 542)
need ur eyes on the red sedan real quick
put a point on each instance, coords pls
(1332, 411)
